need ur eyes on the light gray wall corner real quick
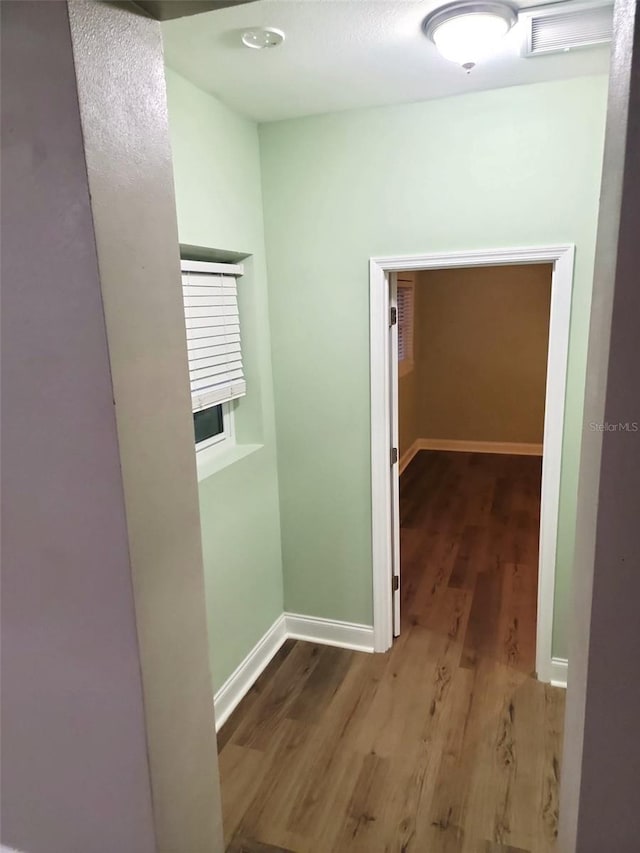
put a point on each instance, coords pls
(601, 764)
(122, 93)
(75, 773)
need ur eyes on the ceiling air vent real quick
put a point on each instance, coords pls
(550, 30)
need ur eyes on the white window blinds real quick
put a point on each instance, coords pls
(213, 333)
(405, 322)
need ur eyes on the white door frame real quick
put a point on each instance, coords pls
(562, 258)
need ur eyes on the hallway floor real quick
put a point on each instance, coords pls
(446, 743)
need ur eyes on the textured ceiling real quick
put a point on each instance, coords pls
(344, 54)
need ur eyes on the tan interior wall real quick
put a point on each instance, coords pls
(480, 344)
(407, 397)
(407, 411)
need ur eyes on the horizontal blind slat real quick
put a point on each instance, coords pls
(230, 376)
(211, 348)
(210, 397)
(209, 279)
(213, 303)
(214, 371)
(213, 323)
(209, 282)
(198, 334)
(206, 290)
(209, 299)
(222, 359)
(197, 318)
(226, 354)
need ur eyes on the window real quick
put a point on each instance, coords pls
(405, 299)
(214, 350)
(212, 426)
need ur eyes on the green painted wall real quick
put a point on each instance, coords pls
(217, 175)
(510, 167)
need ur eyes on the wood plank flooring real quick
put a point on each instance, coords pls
(447, 743)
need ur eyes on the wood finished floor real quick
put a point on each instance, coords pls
(447, 743)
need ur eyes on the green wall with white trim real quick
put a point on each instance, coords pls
(510, 167)
(216, 166)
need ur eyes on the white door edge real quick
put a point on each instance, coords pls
(394, 464)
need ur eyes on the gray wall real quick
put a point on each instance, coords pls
(75, 774)
(600, 806)
(122, 92)
(108, 735)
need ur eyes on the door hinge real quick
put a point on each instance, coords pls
(394, 455)
(393, 316)
(395, 583)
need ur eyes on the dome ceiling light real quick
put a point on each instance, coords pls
(468, 31)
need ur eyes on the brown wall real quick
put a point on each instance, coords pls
(481, 339)
(408, 426)
(407, 411)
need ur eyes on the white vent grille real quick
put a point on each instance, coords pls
(554, 32)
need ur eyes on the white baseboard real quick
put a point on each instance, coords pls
(345, 635)
(312, 629)
(243, 678)
(511, 447)
(559, 669)
(409, 455)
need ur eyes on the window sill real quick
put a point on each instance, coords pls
(405, 367)
(214, 463)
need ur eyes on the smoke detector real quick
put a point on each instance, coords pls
(260, 38)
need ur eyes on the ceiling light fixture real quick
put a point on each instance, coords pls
(261, 37)
(468, 31)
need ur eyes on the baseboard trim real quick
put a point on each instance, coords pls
(244, 676)
(294, 626)
(345, 635)
(409, 455)
(559, 669)
(511, 447)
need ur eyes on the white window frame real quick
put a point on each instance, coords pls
(211, 449)
(223, 440)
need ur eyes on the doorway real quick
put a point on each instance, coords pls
(385, 426)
